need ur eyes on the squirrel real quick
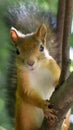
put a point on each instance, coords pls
(37, 77)
(35, 68)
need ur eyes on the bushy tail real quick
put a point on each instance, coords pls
(26, 17)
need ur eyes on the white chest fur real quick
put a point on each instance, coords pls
(42, 81)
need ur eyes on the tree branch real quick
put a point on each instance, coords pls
(60, 27)
(62, 100)
(66, 36)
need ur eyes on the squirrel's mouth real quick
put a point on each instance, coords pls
(32, 68)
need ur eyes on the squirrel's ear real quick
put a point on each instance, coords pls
(16, 35)
(41, 32)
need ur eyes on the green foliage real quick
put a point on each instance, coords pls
(71, 67)
(71, 40)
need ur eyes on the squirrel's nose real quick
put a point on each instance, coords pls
(30, 62)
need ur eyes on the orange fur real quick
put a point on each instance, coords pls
(37, 77)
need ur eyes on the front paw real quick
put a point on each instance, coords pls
(50, 113)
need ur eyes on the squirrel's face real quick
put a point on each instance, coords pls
(30, 48)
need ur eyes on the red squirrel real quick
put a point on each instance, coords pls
(33, 73)
(37, 76)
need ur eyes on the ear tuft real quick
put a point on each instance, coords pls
(41, 32)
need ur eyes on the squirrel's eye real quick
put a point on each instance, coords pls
(17, 51)
(41, 48)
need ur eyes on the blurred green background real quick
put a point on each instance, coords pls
(4, 52)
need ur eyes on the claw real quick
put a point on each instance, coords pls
(50, 113)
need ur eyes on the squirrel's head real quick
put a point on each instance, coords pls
(30, 48)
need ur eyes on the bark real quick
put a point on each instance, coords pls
(62, 100)
(65, 42)
(59, 30)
